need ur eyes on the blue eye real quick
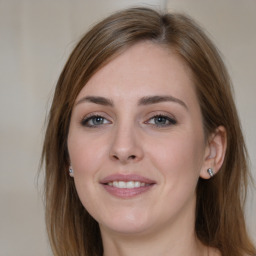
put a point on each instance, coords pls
(94, 121)
(161, 121)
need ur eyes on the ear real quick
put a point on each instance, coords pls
(214, 152)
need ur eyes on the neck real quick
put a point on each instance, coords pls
(154, 245)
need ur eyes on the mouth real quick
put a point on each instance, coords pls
(127, 186)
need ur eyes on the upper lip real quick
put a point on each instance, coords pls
(127, 177)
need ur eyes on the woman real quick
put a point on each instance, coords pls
(143, 151)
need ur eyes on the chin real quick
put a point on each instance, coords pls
(126, 224)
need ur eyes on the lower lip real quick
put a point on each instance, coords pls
(126, 192)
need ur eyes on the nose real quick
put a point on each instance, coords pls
(126, 146)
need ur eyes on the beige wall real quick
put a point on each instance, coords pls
(35, 40)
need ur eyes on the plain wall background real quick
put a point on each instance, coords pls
(36, 38)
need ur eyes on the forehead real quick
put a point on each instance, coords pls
(144, 68)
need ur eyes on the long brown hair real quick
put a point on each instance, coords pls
(219, 213)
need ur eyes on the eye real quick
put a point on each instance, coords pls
(161, 121)
(94, 121)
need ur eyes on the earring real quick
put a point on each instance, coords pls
(70, 170)
(210, 171)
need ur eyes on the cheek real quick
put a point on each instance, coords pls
(86, 157)
(179, 158)
(86, 154)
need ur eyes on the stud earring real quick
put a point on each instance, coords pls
(70, 170)
(210, 171)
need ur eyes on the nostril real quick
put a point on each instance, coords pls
(123, 158)
(115, 157)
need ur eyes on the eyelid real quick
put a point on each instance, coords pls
(89, 116)
(169, 117)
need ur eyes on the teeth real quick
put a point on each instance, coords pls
(128, 184)
(122, 184)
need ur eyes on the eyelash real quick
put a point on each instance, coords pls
(86, 120)
(170, 120)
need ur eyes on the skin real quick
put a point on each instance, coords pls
(129, 139)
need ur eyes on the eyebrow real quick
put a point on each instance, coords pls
(148, 100)
(97, 100)
(158, 99)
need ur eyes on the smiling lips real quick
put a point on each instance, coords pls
(127, 186)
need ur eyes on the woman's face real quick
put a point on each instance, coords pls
(136, 142)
